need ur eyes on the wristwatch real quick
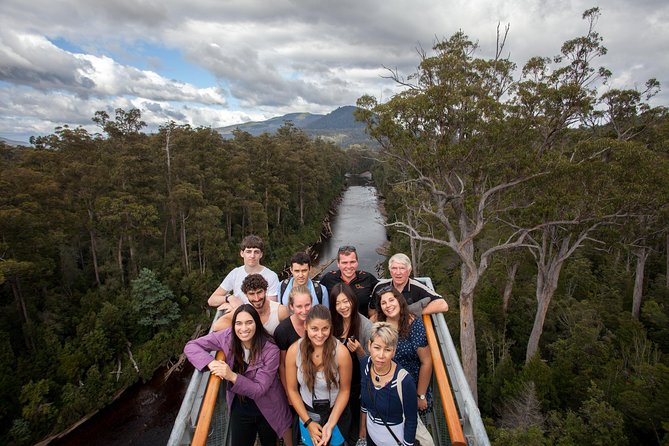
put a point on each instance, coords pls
(421, 397)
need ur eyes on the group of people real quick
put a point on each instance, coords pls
(343, 361)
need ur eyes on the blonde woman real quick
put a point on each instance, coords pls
(388, 392)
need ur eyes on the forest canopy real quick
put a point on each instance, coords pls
(536, 196)
(111, 243)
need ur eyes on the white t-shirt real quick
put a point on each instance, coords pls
(233, 282)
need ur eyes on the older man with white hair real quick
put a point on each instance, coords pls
(421, 299)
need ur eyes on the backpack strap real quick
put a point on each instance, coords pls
(318, 290)
(284, 285)
(400, 377)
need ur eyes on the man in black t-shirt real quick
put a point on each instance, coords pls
(362, 282)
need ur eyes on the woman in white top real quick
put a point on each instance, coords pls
(321, 365)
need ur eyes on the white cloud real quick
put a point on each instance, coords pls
(283, 56)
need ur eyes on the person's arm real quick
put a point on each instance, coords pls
(282, 371)
(223, 322)
(424, 374)
(345, 373)
(283, 312)
(294, 397)
(198, 350)
(273, 288)
(364, 378)
(410, 409)
(218, 297)
(417, 307)
(436, 306)
(362, 433)
(365, 331)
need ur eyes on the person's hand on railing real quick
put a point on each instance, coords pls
(221, 369)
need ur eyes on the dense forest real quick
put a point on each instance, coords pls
(537, 199)
(111, 243)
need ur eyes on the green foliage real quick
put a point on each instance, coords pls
(596, 423)
(90, 223)
(153, 301)
(563, 182)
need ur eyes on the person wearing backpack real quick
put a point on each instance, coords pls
(300, 267)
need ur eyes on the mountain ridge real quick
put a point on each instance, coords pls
(339, 126)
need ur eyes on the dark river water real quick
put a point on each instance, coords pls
(144, 414)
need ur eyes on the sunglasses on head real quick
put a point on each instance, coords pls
(347, 248)
(384, 289)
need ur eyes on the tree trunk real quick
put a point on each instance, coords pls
(119, 257)
(666, 272)
(184, 242)
(469, 279)
(132, 256)
(301, 203)
(508, 288)
(416, 247)
(641, 255)
(94, 255)
(23, 309)
(547, 282)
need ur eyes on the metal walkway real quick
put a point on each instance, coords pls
(455, 418)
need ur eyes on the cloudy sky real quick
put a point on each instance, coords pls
(221, 62)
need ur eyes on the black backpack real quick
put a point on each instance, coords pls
(317, 288)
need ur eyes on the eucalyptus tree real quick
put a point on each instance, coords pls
(591, 183)
(471, 148)
(456, 158)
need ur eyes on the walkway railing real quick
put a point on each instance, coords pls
(455, 419)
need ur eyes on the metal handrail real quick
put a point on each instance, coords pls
(450, 411)
(473, 426)
(182, 426)
(207, 408)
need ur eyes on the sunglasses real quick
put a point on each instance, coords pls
(347, 248)
(384, 289)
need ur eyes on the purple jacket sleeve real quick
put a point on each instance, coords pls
(255, 385)
(198, 350)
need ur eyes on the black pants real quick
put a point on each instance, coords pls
(243, 430)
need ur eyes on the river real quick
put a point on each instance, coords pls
(144, 414)
(358, 223)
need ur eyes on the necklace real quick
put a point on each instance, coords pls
(377, 378)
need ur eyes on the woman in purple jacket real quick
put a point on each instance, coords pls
(256, 400)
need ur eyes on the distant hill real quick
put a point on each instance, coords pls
(12, 142)
(338, 126)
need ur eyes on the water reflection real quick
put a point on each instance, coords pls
(358, 222)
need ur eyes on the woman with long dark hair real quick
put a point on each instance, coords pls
(318, 382)
(352, 329)
(256, 400)
(412, 353)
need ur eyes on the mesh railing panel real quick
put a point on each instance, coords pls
(218, 429)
